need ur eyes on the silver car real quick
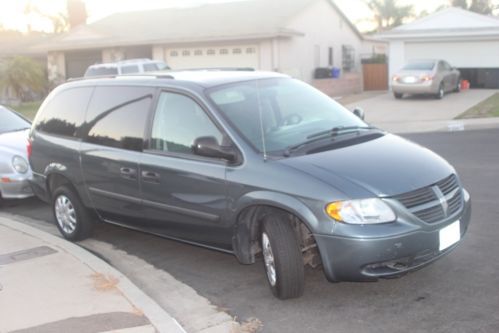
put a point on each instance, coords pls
(435, 77)
(14, 167)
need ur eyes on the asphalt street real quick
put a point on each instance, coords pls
(458, 293)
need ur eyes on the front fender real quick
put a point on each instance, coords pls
(246, 228)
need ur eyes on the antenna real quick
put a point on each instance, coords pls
(260, 114)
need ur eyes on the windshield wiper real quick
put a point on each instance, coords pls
(335, 131)
(332, 133)
(19, 129)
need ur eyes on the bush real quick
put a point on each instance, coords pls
(24, 77)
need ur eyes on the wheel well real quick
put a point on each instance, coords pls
(251, 221)
(54, 181)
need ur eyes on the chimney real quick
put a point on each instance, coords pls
(77, 13)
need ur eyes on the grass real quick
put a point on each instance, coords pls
(27, 109)
(485, 109)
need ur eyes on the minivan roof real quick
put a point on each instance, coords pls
(204, 78)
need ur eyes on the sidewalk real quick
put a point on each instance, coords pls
(50, 285)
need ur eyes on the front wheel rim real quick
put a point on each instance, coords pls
(268, 258)
(65, 214)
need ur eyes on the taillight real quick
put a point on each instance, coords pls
(29, 148)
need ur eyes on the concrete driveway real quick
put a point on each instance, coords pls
(419, 113)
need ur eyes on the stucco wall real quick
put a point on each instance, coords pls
(323, 27)
(56, 67)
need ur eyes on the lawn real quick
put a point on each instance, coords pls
(487, 108)
(27, 109)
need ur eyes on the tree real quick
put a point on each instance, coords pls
(22, 76)
(478, 6)
(388, 13)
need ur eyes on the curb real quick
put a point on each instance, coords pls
(159, 318)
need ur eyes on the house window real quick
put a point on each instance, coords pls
(348, 58)
(186, 53)
(330, 57)
(210, 52)
(173, 54)
(237, 51)
(198, 52)
(250, 50)
(224, 51)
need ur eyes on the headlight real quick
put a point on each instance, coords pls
(20, 164)
(366, 211)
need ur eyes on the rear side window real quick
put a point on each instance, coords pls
(100, 71)
(117, 116)
(65, 113)
(129, 69)
(150, 67)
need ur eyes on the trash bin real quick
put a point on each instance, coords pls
(335, 72)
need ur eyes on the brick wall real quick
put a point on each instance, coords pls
(347, 84)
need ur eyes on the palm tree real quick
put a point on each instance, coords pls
(388, 13)
(22, 75)
(478, 6)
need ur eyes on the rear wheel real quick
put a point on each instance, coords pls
(398, 95)
(441, 92)
(458, 86)
(282, 258)
(72, 218)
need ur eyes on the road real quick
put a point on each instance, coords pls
(458, 293)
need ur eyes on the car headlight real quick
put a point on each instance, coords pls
(20, 164)
(365, 211)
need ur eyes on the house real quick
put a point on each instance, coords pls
(290, 36)
(468, 41)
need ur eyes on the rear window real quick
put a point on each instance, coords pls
(420, 66)
(101, 71)
(11, 122)
(117, 116)
(65, 112)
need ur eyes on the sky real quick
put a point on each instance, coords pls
(12, 17)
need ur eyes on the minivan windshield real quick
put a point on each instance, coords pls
(276, 114)
(11, 122)
(420, 66)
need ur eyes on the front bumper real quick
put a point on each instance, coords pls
(15, 186)
(368, 259)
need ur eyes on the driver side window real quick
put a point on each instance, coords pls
(178, 121)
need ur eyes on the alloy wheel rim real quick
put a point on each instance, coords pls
(65, 214)
(268, 258)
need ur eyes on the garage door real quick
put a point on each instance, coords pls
(229, 56)
(470, 54)
(78, 62)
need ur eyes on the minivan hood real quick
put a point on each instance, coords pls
(386, 166)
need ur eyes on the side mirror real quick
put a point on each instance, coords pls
(208, 146)
(359, 113)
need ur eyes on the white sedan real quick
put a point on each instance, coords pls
(14, 167)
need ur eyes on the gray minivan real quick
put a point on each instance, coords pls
(248, 163)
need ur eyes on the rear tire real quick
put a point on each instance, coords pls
(441, 92)
(458, 86)
(72, 218)
(398, 95)
(283, 260)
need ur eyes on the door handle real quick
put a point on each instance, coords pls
(128, 173)
(150, 177)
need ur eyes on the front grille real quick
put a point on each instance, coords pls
(436, 202)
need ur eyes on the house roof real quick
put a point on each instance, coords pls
(15, 43)
(452, 23)
(253, 19)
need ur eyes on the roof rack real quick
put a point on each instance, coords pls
(134, 76)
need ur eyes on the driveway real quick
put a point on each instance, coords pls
(418, 114)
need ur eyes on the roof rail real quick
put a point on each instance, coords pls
(134, 76)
